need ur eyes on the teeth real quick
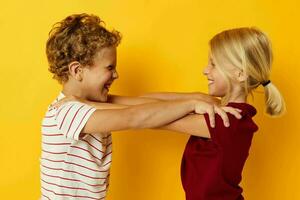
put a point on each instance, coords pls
(210, 81)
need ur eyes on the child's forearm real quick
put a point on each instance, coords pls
(176, 96)
(191, 124)
(126, 100)
(157, 114)
(149, 115)
(161, 96)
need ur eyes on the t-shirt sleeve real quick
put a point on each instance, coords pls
(71, 117)
(221, 134)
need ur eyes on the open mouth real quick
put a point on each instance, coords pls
(107, 85)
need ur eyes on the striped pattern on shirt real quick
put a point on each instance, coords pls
(73, 166)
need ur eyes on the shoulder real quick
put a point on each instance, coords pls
(221, 134)
(219, 123)
(72, 108)
(246, 123)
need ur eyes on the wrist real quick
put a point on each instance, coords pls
(192, 104)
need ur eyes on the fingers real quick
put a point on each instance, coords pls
(211, 114)
(56, 105)
(234, 111)
(223, 115)
(222, 111)
(59, 103)
(211, 110)
(64, 100)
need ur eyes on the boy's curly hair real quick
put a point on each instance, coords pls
(77, 38)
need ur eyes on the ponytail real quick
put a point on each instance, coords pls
(275, 105)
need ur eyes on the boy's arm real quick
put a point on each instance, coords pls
(128, 117)
(149, 115)
(168, 115)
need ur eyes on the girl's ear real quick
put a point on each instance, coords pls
(75, 70)
(240, 75)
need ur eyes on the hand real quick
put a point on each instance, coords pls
(65, 100)
(211, 110)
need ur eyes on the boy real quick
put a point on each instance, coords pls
(76, 139)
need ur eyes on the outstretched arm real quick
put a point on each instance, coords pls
(150, 115)
(191, 124)
(130, 100)
(194, 124)
(161, 96)
(176, 96)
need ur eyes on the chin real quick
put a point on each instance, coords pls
(211, 93)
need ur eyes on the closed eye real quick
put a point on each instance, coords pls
(110, 67)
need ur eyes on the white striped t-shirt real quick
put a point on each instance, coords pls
(73, 167)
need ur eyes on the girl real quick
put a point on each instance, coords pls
(240, 61)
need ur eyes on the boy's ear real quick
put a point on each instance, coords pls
(240, 75)
(75, 70)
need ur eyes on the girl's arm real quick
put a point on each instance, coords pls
(168, 115)
(176, 96)
(95, 104)
(194, 124)
(161, 96)
(127, 100)
(191, 124)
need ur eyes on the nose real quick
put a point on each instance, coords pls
(205, 71)
(115, 74)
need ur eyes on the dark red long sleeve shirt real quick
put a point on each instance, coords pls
(211, 169)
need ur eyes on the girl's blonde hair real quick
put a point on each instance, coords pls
(249, 50)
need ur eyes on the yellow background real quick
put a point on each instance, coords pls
(164, 48)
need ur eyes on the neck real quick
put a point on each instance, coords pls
(238, 98)
(237, 95)
(72, 88)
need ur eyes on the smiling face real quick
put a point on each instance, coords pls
(217, 84)
(98, 78)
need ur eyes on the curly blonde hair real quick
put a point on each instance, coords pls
(77, 38)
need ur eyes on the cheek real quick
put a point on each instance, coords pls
(107, 76)
(103, 78)
(219, 87)
(222, 84)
